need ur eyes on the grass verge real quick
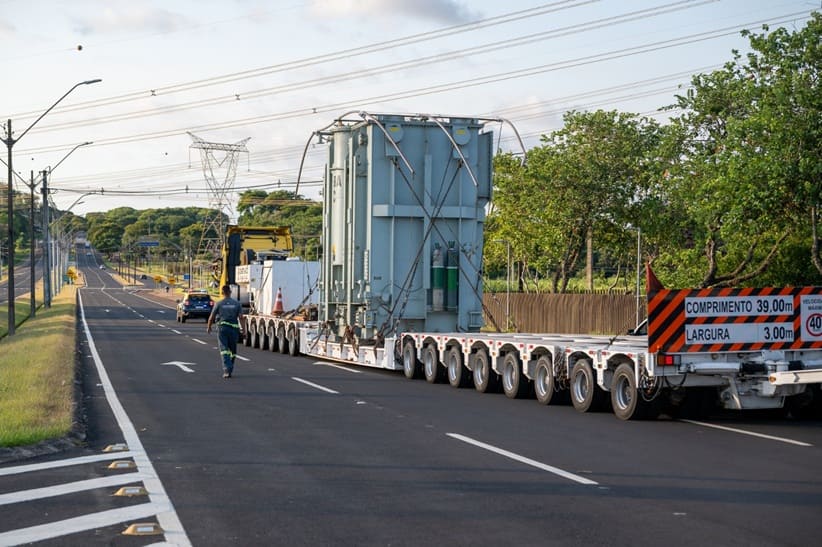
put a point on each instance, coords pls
(37, 375)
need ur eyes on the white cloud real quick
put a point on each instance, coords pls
(6, 29)
(445, 11)
(119, 17)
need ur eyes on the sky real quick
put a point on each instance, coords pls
(275, 71)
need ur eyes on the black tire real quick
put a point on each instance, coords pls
(514, 384)
(545, 383)
(411, 366)
(807, 405)
(255, 337)
(272, 340)
(585, 393)
(626, 400)
(431, 368)
(182, 319)
(458, 375)
(485, 379)
(293, 342)
(282, 341)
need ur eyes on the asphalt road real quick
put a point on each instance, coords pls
(22, 279)
(291, 451)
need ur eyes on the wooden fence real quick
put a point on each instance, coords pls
(564, 313)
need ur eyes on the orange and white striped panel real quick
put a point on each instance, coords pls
(728, 320)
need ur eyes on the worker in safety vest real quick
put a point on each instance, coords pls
(228, 314)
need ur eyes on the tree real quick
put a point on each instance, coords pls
(748, 174)
(585, 181)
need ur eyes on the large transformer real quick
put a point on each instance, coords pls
(404, 207)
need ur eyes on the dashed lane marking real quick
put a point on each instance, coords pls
(522, 459)
(751, 433)
(315, 386)
(338, 366)
(200, 342)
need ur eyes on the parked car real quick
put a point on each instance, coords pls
(195, 303)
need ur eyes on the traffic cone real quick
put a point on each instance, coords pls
(278, 303)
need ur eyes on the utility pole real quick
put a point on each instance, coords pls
(31, 243)
(46, 243)
(10, 141)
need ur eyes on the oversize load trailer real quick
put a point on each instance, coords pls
(400, 288)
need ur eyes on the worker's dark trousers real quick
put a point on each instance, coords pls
(228, 337)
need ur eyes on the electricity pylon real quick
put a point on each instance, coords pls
(219, 189)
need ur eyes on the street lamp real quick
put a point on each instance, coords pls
(47, 258)
(10, 141)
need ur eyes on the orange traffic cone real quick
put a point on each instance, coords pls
(278, 303)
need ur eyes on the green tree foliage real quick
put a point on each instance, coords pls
(585, 180)
(747, 175)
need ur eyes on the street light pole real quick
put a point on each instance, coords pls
(10, 141)
(47, 284)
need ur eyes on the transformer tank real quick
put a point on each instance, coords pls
(403, 213)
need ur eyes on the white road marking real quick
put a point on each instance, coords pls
(166, 516)
(181, 365)
(200, 342)
(175, 331)
(751, 433)
(151, 320)
(241, 358)
(82, 460)
(88, 522)
(315, 386)
(69, 488)
(337, 366)
(523, 459)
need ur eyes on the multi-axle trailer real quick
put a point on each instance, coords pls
(399, 287)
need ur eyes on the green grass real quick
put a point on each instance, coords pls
(37, 374)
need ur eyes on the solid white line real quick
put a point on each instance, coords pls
(751, 433)
(64, 463)
(241, 358)
(200, 342)
(316, 386)
(81, 524)
(69, 488)
(168, 520)
(338, 366)
(522, 459)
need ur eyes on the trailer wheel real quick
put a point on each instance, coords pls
(272, 339)
(431, 365)
(255, 337)
(585, 394)
(264, 340)
(626, 400)
(545, 383)
(457, 373)
(282, 343)
(514, 384)
(411, 367)
(485, 379)
(293, 343)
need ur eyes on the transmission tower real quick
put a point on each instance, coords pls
(219, 189)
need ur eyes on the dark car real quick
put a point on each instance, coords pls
(194, 304)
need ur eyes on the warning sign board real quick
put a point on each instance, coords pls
(712, 320)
